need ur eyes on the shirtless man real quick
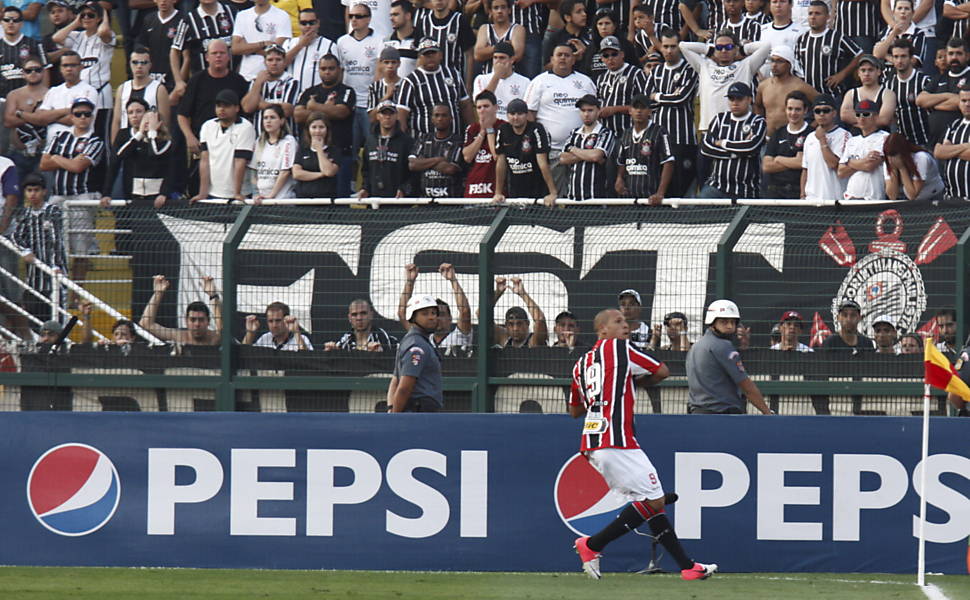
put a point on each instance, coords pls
(785, 78)
(21, 101)
(197, 330)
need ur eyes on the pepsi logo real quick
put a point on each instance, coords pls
(583, 500)
(73, 489)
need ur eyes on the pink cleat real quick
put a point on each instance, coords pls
(698, 571)
(591, 559)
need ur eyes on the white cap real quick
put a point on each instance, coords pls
(788, 53)
(721, 309)
(416, 303)
(884, 319)
(630, 292)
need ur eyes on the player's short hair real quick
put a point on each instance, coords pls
(955, 42)
(278, 307)
(197, 306)
(442, 304)
(442, 104)
(364, 4)
(404, 5)
(819, 3)
(728, 34)
(330, 56)
(903, 43)
(141, 101)
(486, 95)
(124, 323)
(139, 49)
(308, 9)
(370, 306)
(31, 58)
(797, 95)
(69, 53)
(668, 32)
(516, 312)
(567, 7)
(946, 312)
(642, 8)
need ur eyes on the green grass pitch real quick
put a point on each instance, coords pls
(37, 583)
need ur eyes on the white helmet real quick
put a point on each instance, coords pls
(416, 303)
(721, 309)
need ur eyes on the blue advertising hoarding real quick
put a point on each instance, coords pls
(469, 492)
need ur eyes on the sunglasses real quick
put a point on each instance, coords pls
(724, 47)
(141, 62)
(609, 54)
(64, 64)
(83, 114)
(863, 114)
(33, 69)
(12, 20)
(89, 16)
(359, 16)
(308, 23)
(822, 111)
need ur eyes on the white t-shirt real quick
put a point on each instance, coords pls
(507, 90)
(799, 348)
(291, 344)
(861, 184)
(799, 12)
(821, 182)
(95, 62)
(927, 171)
(360, 63)
(61, 96)
(268, 160)
(251, 27)
(714, 79)
(554, 100)
(222, 146)
(306, 65)
(380, 15)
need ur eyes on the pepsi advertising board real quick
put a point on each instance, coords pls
(470, 492)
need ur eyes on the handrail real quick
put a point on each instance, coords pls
(81, 292)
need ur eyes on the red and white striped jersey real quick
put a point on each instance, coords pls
(603, 383)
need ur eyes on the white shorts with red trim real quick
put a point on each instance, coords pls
(629, 473)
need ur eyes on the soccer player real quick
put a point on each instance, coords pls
(602, 391)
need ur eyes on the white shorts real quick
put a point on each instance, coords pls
(629, 473)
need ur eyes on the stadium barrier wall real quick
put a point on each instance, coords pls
(470, 492)
(904, 261)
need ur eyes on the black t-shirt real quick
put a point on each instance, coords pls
(318, 188)
(942, 84)
(433, 183)
(199, 102)
(643, 156)
(562, 36)
(157, 37)
(835, 342)
(521, 152)
(342, 130)
(786, 144)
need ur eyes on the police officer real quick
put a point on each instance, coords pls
(716, 379)
(416, 385)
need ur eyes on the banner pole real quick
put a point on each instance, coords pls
(921, 566)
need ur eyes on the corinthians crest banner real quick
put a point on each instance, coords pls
(897, 261)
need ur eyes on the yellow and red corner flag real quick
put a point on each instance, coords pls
(939, 373)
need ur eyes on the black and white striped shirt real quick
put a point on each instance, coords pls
(588, 179)
(388, 342)
(676, 88)
(493, 39)
(822, 56)
(617, 88)
(11, 56)
(643, 154)
(956, 171)
(376, 92)
(859, 18)
(198, 29)
(305, 67)
(452, 33)
(421, 90)
(916, 36)
(285, 90)
(736, 168)
(913, 121)
(535, 18)
(42, 233)
(747, 30)
(959, 25)
(66, 144)
(665, 12)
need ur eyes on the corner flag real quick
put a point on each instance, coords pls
(939, 373)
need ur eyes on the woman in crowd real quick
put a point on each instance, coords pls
(317, 162)
(911, 169)
(273, 158)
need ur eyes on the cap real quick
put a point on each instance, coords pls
(630, 292)
(52, 326)
(503, 48)
(417, 303)
(791, 315)
(739, 90)
(866, 106)
(872, 60)
(65, 3)
(386, 105)
(655, 57)
(274, 48)
(849, 304)
(605, 12)
(428, 45)
(516, 312)
(824, 100)
(31, 180)
(565, 315)
(610, 43)
(390, 53)
(227, 97)
(83, 100)
(517, 106)
(675, 315)
(884, 319)
(588, 99)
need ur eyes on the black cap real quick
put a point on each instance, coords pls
(872, 60)
(227, 97)
(516, 312)
(588, 99)
(565, 315)
(824, 100)
(675, 315)
(849, 304)
(503, 48)
(517, 106)
(739, 90)
(33, 179)
(82, 100)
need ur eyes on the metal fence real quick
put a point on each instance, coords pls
(506, 273)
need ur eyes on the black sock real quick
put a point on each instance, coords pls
(627, 520)
(665, 535)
